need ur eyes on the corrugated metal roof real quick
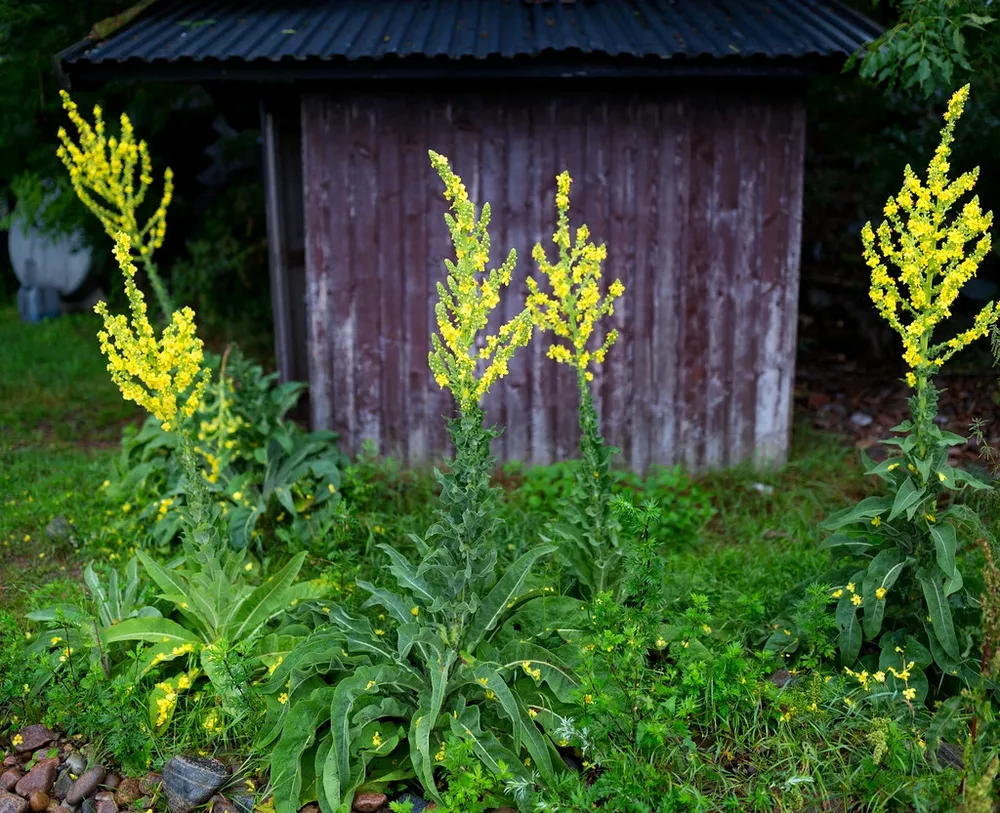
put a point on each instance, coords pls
(263, 31)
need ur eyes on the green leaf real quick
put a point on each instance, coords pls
(504, 593)
(338, 782)
(522, 726)
(864, 510)
(853, 545)
(847, 621)
(265, 602)
(157, 630)
(426, 715)
(939, 611)
(907, 499)
(297, 734)
(406, 574)
(397, 608)
(945, 544)
(175, 585)
(882, 573)
(466, 725)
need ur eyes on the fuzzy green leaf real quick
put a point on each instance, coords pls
(156, 630)
(939, 610)
(265, 602)
(945, 544)
(504, 593)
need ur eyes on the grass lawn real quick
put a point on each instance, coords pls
(60, 423)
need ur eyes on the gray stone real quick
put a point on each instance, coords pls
(107, 806)
(419, 805)
(369, 802)
(62, 809)
(63, 784)
(11, 762)
(220, 804)
(34, 737)
(192, 781)
(242, 797)
(88, 806)
(76, 762)
(41, 777)
(58, 529)
(9, 803)
(9, 778)
(86, 785)
(111, 781)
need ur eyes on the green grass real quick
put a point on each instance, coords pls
(54, 385)
(60, 421)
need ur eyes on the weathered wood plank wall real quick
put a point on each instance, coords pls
(698, 196)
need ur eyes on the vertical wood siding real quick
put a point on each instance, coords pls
(698, 197)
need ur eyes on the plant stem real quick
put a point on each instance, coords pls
(163, 301)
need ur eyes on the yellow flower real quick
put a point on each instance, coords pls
(932, 255)
(103, 172)
(414, 611)
(17, 740)
(837, 593)
(850, 587)
(377, 740)
(575, 306)
(880, 593)
(248, 567)
(909, 694)
(55, 640)
(466, 300)
(588, 699)
(876, 521)
(164, 376)
(283, 698)
(856, 600)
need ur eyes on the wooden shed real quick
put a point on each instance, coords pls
(681, 123)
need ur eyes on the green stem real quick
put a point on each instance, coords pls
(163, 301)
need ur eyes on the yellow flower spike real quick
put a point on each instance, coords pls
(466, 299)
(575, 305)
(102, 172)
(164, 376)
(933, 256)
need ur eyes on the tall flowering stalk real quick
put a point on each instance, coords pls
(162, 375)
(571, 312)
(908, 587)
(461, 545)
(103, 171)
(466, 299)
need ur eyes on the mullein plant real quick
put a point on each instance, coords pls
(902, 589)
(375, 699)
(102, 170)
(586, 532)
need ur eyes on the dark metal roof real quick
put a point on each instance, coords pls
(229, 34)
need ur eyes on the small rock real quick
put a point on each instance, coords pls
(312, 807)
(38, 801)
(111, 781)
(241, 796)
(104, 796)
(781, 678)
(8, 779)
(150, 782)
(63, 784)
(62, 809)
(39, 778)
(369, 802)
(862, 419)
(58, 529)
(9, 803)
(419, 805)
(107, 806)
(34, 737)
(953, 755)
(220, 804)
(192, 781)
(11, 762)
(76, 762)
(85, 785)
(88, 806)
(128, 791)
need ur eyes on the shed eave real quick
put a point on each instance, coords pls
(81, 72)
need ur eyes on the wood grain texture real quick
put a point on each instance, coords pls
(698, 196)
